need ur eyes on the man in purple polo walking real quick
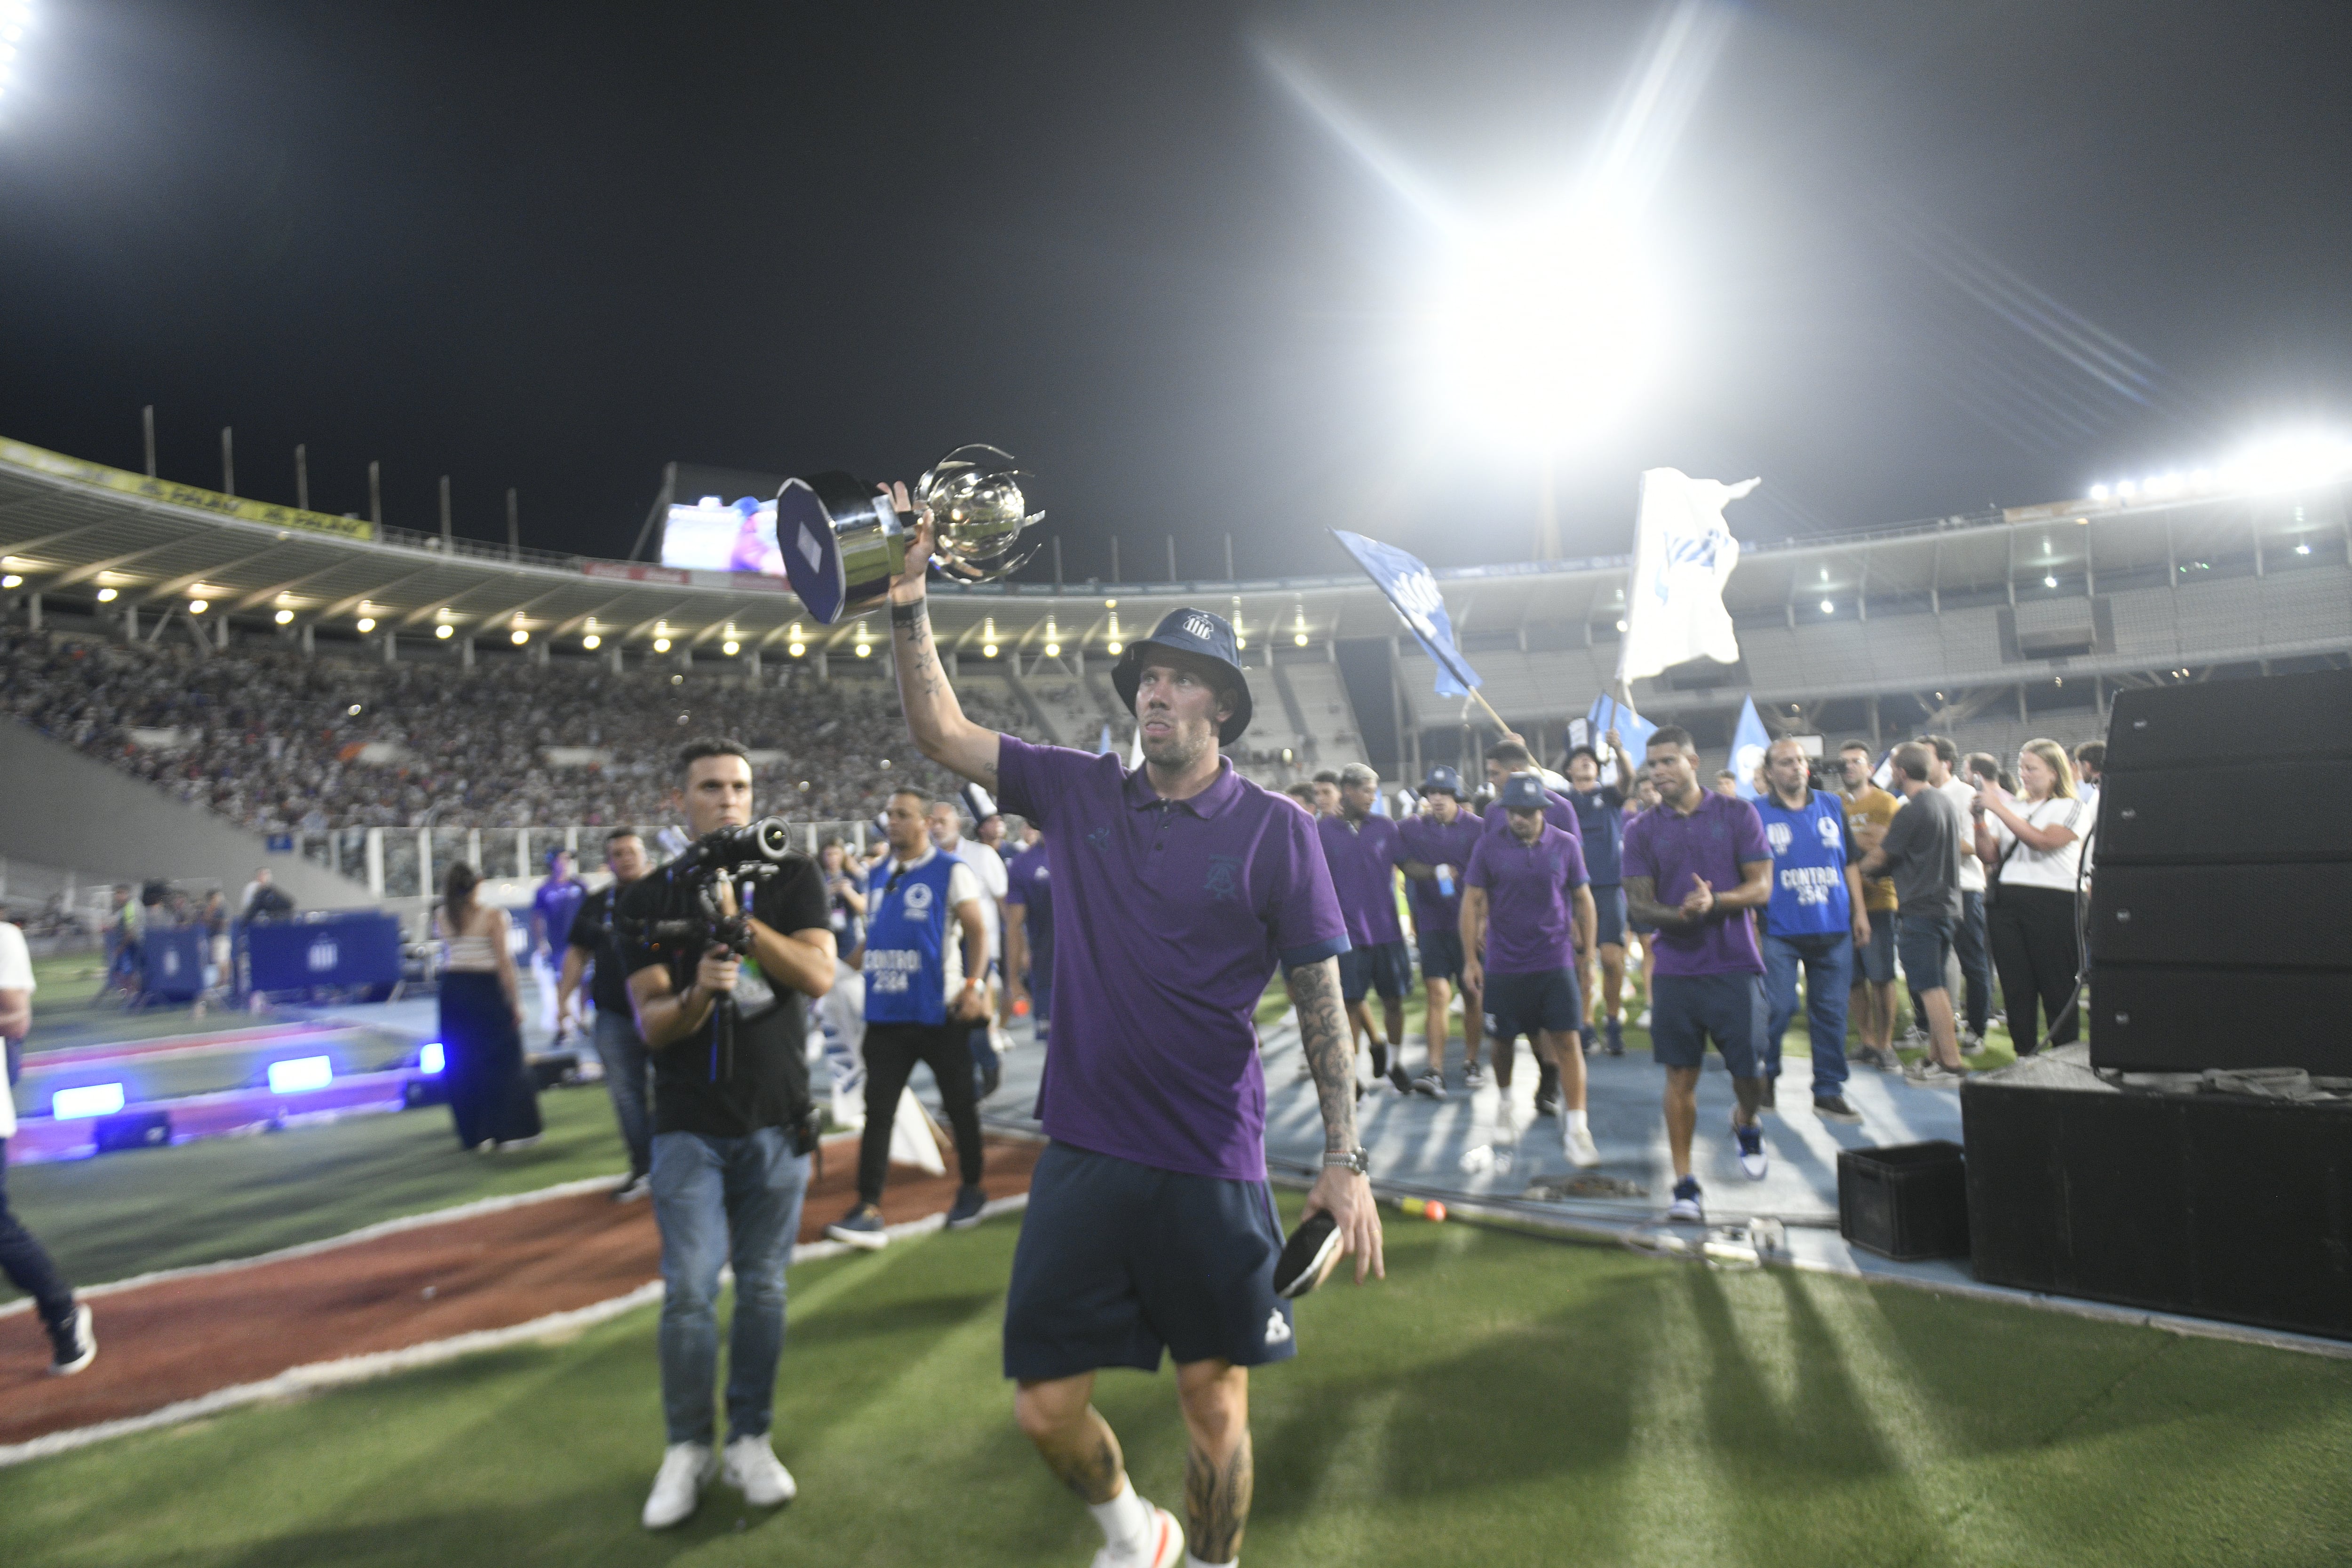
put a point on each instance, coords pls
(1695, 866)
(1150, 1229)
(1363, 850)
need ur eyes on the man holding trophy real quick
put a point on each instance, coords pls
(1151, 1228)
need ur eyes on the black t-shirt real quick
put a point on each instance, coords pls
(591, 932)
(768, 1086)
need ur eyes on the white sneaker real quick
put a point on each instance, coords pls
(1163, 1546)
(1576, 1143)
(81, 1350)
(686, 1470)
(751, 1467)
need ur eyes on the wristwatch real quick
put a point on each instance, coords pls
(1358, 1158)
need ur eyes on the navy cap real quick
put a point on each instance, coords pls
(1522, 792)
(1442, 778)
(1201, 635)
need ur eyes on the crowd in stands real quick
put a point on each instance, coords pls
(279, 742)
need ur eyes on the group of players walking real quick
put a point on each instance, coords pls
(1155, 906)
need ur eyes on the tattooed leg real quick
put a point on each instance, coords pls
(1077, 1444)
(1219, 1472)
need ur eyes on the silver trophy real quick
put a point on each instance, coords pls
(843, 540)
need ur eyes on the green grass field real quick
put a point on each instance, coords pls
(1500, 1400)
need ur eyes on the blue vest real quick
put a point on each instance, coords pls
(1808, 844)
(906, 924)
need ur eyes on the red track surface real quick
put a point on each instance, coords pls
(180, 1339)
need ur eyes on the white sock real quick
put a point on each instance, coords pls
(1575, 1120)
(1125, 1520)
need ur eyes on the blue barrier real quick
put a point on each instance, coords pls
(349, 948)
(171, 963)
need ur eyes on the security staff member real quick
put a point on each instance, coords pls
(925, 955)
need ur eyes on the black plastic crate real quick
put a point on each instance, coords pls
(1906, 1203)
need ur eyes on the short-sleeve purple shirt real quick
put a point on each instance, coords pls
(1531, 899)
(1169, 919)
(1363, 857)
(1435, 843)
(1674, 851)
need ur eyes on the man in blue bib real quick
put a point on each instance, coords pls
(925, 957)
(1814, 920)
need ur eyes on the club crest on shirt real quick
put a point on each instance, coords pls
(1099, 839)
(1225, 883)
(1778, 835)
(918, 897)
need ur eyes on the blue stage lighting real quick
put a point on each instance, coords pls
(91, 1099)
(299, 1074)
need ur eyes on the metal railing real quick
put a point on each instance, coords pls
(404, 862)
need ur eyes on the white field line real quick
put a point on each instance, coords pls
(348, 1369)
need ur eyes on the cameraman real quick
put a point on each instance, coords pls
(732, 1133)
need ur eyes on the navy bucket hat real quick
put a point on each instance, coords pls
(1201, 635)
(1522, 792)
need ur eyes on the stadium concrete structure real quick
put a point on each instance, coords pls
(1991, 626)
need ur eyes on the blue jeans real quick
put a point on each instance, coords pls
(716, 1200)
(628, 1078)
(26, 1263)
(1828, 961)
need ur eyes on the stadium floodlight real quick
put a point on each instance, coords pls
(731, 648)
(445, 631)
(353, 710)
(106, 595)
(661, 645)
(91, 1100)
(796, 650)
(2050, 581)
(592, 642)
(198, 606)
(366, 623)
(1829, 606)
(987, 637)
(1546, 326)
(519, 636)
(2100, 492)
(284, 617)
(431, 1057)
(12, 581)
(299, 1075)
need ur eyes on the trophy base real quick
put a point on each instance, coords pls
(841, 542)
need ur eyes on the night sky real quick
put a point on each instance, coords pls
(1919, 257)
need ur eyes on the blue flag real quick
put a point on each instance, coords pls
(1606, 714)
(1748, 743)
(1412, 591)
(1107, 743)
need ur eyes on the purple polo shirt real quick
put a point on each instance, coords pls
(1434, 843)
(1169, 919)
(1363, 857)
(1674, 851)
(1531, 899)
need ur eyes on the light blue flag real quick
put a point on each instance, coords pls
(1606, 714)
(1748, 743)
(1412, 591)
(1107, 743)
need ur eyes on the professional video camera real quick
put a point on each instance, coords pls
(739, 859)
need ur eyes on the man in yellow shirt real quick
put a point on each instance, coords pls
(1868, 810)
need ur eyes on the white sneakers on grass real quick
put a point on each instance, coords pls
(686, 1470)
(751, 1466)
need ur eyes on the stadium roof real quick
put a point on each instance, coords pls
(70, 526)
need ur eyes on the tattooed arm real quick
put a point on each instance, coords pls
(933, 715)
(1331, 1051)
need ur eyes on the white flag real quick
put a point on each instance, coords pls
(1683, 557)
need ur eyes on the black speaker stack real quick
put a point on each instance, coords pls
(2220, 934)
(2220, 937)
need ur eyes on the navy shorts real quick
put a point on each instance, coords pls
(1687, 1010)
(1440, 956)
(1385, 967)
(1519, 1005)
(1118, 1261)
(1609, 911)
(1925, 944)
(1874, 961)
